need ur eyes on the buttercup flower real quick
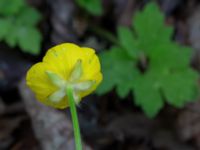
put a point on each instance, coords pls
(63, 66)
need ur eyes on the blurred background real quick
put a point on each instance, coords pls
(112, 118)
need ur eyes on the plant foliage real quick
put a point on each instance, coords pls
(18, 25)
(92, 6)
(148, 64)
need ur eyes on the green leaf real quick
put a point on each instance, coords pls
(166, 76)
(184, 87)
(149, 24)
(10, 7)
(17, 25)
(92, 6)
(29, 40)
(148, 94)
(118, 70)
(161, 54)
(29, 17)
(128, 41)
(5, 26)
(11, 36)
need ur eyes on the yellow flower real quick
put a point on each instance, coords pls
(64, 65)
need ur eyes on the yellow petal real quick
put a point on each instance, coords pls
(39, 82)
(91, 69)
(91, 64)
(97, 78)
(61, 60)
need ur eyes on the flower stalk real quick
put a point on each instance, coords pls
(72, 105)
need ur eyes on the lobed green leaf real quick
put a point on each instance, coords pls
(164, 74)
(18, 25)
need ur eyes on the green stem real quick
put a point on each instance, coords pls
(74, 115)
(105, 34)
